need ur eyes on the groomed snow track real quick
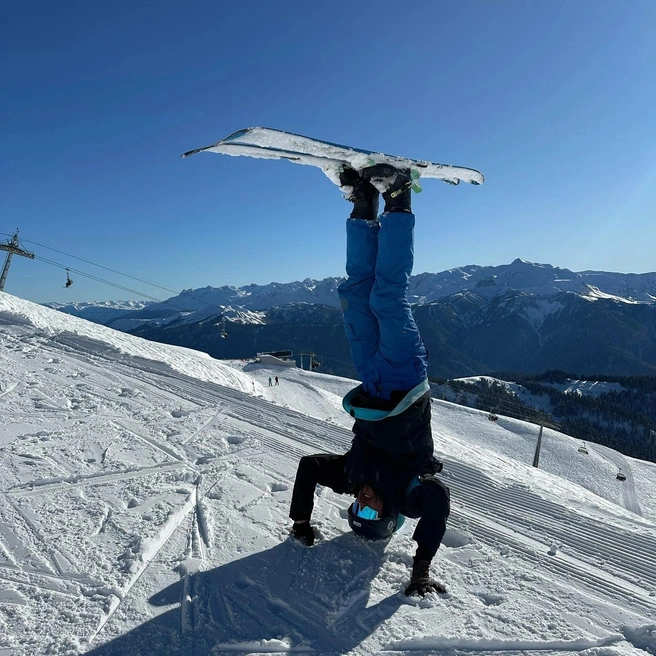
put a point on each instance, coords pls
(610, 562)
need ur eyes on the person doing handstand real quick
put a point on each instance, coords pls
(390, 467)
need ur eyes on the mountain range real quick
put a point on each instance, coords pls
(521, 316)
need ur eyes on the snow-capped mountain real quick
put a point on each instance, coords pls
(145, 493)
(99, 311)
(543, 280)
(538, 279)
(475, 320)
(466, 334)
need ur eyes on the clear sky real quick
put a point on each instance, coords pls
(554, 101)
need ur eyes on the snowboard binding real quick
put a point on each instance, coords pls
(394, 183)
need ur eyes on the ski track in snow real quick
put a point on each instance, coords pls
(521, 511)
(593, 550)
(218, 473)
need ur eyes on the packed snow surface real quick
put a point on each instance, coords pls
(145, 492)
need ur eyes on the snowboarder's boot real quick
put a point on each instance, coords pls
(361, 193)
(395, 185)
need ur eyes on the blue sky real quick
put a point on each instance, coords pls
(552, 101)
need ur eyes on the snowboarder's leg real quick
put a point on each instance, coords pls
(433, 498)
(401, 360)
(321, 469)
(359, 321)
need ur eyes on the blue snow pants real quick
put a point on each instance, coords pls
(387, 349)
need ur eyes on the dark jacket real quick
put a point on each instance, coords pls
(387, 454)
(428, 499)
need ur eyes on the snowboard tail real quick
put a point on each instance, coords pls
(268, 143)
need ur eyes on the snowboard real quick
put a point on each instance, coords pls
(268, 143)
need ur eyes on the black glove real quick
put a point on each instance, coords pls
(304, 532)
(421, 583)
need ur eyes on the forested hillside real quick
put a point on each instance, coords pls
(616, 411)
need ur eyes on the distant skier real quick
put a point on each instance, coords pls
(276, 380)
(390, 466)
(269, 381)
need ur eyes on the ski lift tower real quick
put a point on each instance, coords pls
(13, 248)
(313, 363)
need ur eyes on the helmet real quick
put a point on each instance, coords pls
(374, 529)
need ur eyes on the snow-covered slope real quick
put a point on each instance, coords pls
(59, 328)
(145, 492)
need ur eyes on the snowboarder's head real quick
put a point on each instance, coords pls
(369, 517)
(368, 496)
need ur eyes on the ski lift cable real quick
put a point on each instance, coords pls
(492, 403)
(112, 284)
(488, 396)
(127, 289)
(92, 277)
(518, 409)
(107, 282)
(100, 266)
(121, 287)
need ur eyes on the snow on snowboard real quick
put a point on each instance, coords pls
(268, 143)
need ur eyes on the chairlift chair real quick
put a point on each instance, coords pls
(621, 476)
(69, 282)
(583, 449)
(492, 416)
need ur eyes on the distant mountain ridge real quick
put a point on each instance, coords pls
(99, 311)
(541, 279)
(475, 320)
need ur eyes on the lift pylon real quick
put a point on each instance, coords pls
(313, 363)
(13, 248)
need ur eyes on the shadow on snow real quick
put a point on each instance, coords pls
(296, 599)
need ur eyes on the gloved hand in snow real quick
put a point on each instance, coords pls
(304, 532)
(421, 583)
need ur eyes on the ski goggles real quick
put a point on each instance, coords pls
(364, 511)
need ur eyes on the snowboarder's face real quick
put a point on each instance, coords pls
(368, 497)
